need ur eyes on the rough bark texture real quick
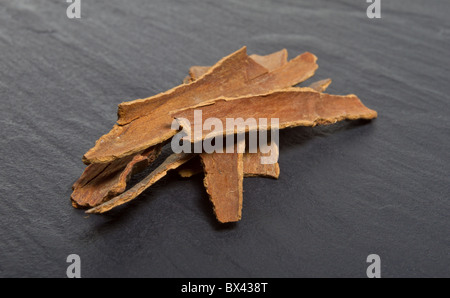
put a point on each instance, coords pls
(224, 176)
(172, 162)
(101, 182)
(146, 122)
(294, 107)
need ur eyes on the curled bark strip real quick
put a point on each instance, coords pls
(172, 162)
(147, 122)
(101, 182)
(292, 106)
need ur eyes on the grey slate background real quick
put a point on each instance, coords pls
(345, 191)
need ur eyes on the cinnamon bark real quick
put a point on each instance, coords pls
(146, 122)
(292, 106)
(238, 86)
(101, 182)
(252, 166)
(224, 176)
(172, 162)
(107, 180)
(270, 62)
(320, 86)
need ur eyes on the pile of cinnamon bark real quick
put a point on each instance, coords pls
(239, 85)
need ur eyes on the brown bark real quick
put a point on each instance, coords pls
(146, 122)
(101, 182)
(270, 62)
(172, 162)
(107, 180)
(320, 86)
(252, 166)
(224, 175)
(238, 86)
(292, 106)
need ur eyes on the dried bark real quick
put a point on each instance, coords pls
(101, 182)
(146, 122)
(172, 162)
(252, 166)
(195, 72)
(113, 181)
(320, 86)
(293, 107)
(238, 86)
(270, 62)
(224, 176)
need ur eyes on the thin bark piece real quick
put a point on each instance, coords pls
(147, 122)
(172, 162)
(224, 176)
(195, 72)
(252, 166)
(293, 107)
(320, 86)
(101, 182)
(270, 62)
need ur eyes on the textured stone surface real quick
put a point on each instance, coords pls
(345, 191)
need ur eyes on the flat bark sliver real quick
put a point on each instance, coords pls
(270, 62)
(293, 107)
(172, 162)
(253, 166)
(224, 175)
(320, 86)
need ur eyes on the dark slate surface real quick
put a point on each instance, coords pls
(345, 191)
